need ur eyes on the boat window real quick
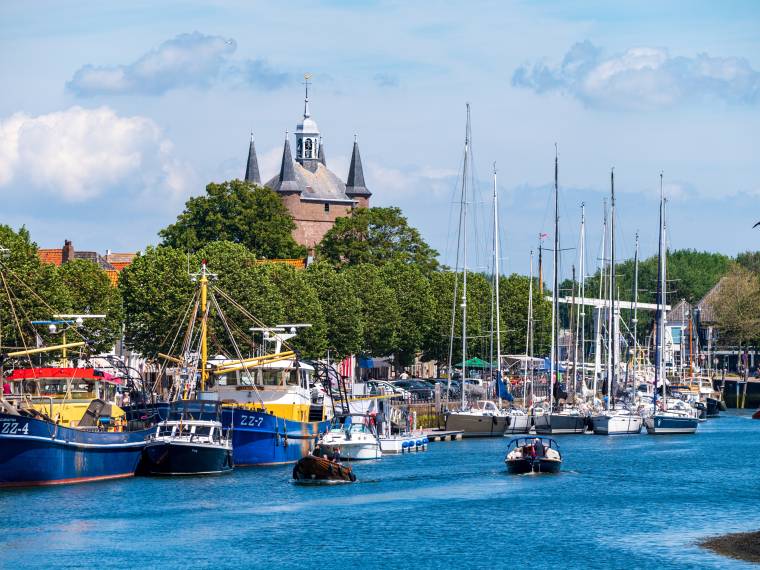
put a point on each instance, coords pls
(202, 430)
(271, 377)
(165, 430)
(291, 377)
(358, 428)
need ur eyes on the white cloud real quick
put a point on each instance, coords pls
(642, 78)
(80, 154)
(187, 60)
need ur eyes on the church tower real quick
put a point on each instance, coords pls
(308, 141)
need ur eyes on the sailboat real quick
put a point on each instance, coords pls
(485, 419)
(556, 419)
(664, 420)
(614, 420)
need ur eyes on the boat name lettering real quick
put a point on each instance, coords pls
(12, 428)
(253, 421)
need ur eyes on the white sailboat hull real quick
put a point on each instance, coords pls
(518, 424)
(617, 424)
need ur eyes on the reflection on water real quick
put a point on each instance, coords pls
(620, 502)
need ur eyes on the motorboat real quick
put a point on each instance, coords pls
(353, 439)
(617, 422)
(533, 455)
(403, 443)
(484, 419)
(317, 469)
(188, 444)
(519, 422)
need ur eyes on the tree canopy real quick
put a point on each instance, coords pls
(376, 236)
(736, 306)
(239, 212)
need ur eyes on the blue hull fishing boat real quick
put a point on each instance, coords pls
(259, 438)
(39, 452)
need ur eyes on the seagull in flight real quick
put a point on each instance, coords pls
(757, 224)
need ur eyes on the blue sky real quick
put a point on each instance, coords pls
(112, 114)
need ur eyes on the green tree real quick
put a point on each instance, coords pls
(736, 306)
(380, 312)
(239, 212)
(89, 290)
(156, 291)
(415, 303)
(300, 304)
(29, 290)
(377, 236)
(341, 306)
(514, 293)
(247, 283)
(749, 260)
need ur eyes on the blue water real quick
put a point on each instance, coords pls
(621, 502)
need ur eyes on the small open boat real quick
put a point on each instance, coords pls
(314, 469)
(533, 455)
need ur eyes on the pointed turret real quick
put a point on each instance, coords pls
(287, 177)
(355, 186)
(252, 168)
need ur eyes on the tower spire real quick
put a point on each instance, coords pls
(252, 167)
(306, 113)
(287, 172)
(355, 185)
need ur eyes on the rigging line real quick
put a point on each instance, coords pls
(246, 313)
(15, 317)
(235, 346)
(165, 364)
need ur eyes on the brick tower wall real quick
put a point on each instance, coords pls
(311, 219)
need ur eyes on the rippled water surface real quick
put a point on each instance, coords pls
(621, 502)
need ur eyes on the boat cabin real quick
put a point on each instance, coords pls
(65, 394)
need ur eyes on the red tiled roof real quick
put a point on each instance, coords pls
(54, 256)
(297, 263)
(113, 275)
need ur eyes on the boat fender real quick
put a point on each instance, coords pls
(406, 444)
(425, 440)
(352, 477)
(419, 443)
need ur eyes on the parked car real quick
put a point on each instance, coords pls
(474, 388)
(383, 388)
(420, 390)
(455, 390)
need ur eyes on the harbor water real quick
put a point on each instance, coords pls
(620, 502)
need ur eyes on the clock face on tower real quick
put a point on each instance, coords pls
(308, 146)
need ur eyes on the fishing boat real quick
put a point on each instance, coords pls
(352, 438)
(191, 442)
(664, 420)
(266, 399)
(316, 469)
(533, 455)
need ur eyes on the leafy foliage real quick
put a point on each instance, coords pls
(736, 305)
(89, 290)
(342, 309)
(235, 211)
(376, 236)
(380, 312)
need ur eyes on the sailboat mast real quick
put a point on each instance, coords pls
(464, 253)
(598, 310)
(497, 275)
(554, 365)
(660, 337)
(613, 317)
(635, 320)
(581, 334)
(529, 335)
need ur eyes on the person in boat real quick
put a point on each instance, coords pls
(538, 446)
(336, 455)
(317, 452)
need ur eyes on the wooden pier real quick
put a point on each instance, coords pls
(442, 434)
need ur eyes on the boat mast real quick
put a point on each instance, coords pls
(204, 325)
(612, 357)
(582, 326)
(497, 275)
(554, 365)
(634, 319)
(598, 310)
(529, 335)
(660, 337)
(464, 253)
